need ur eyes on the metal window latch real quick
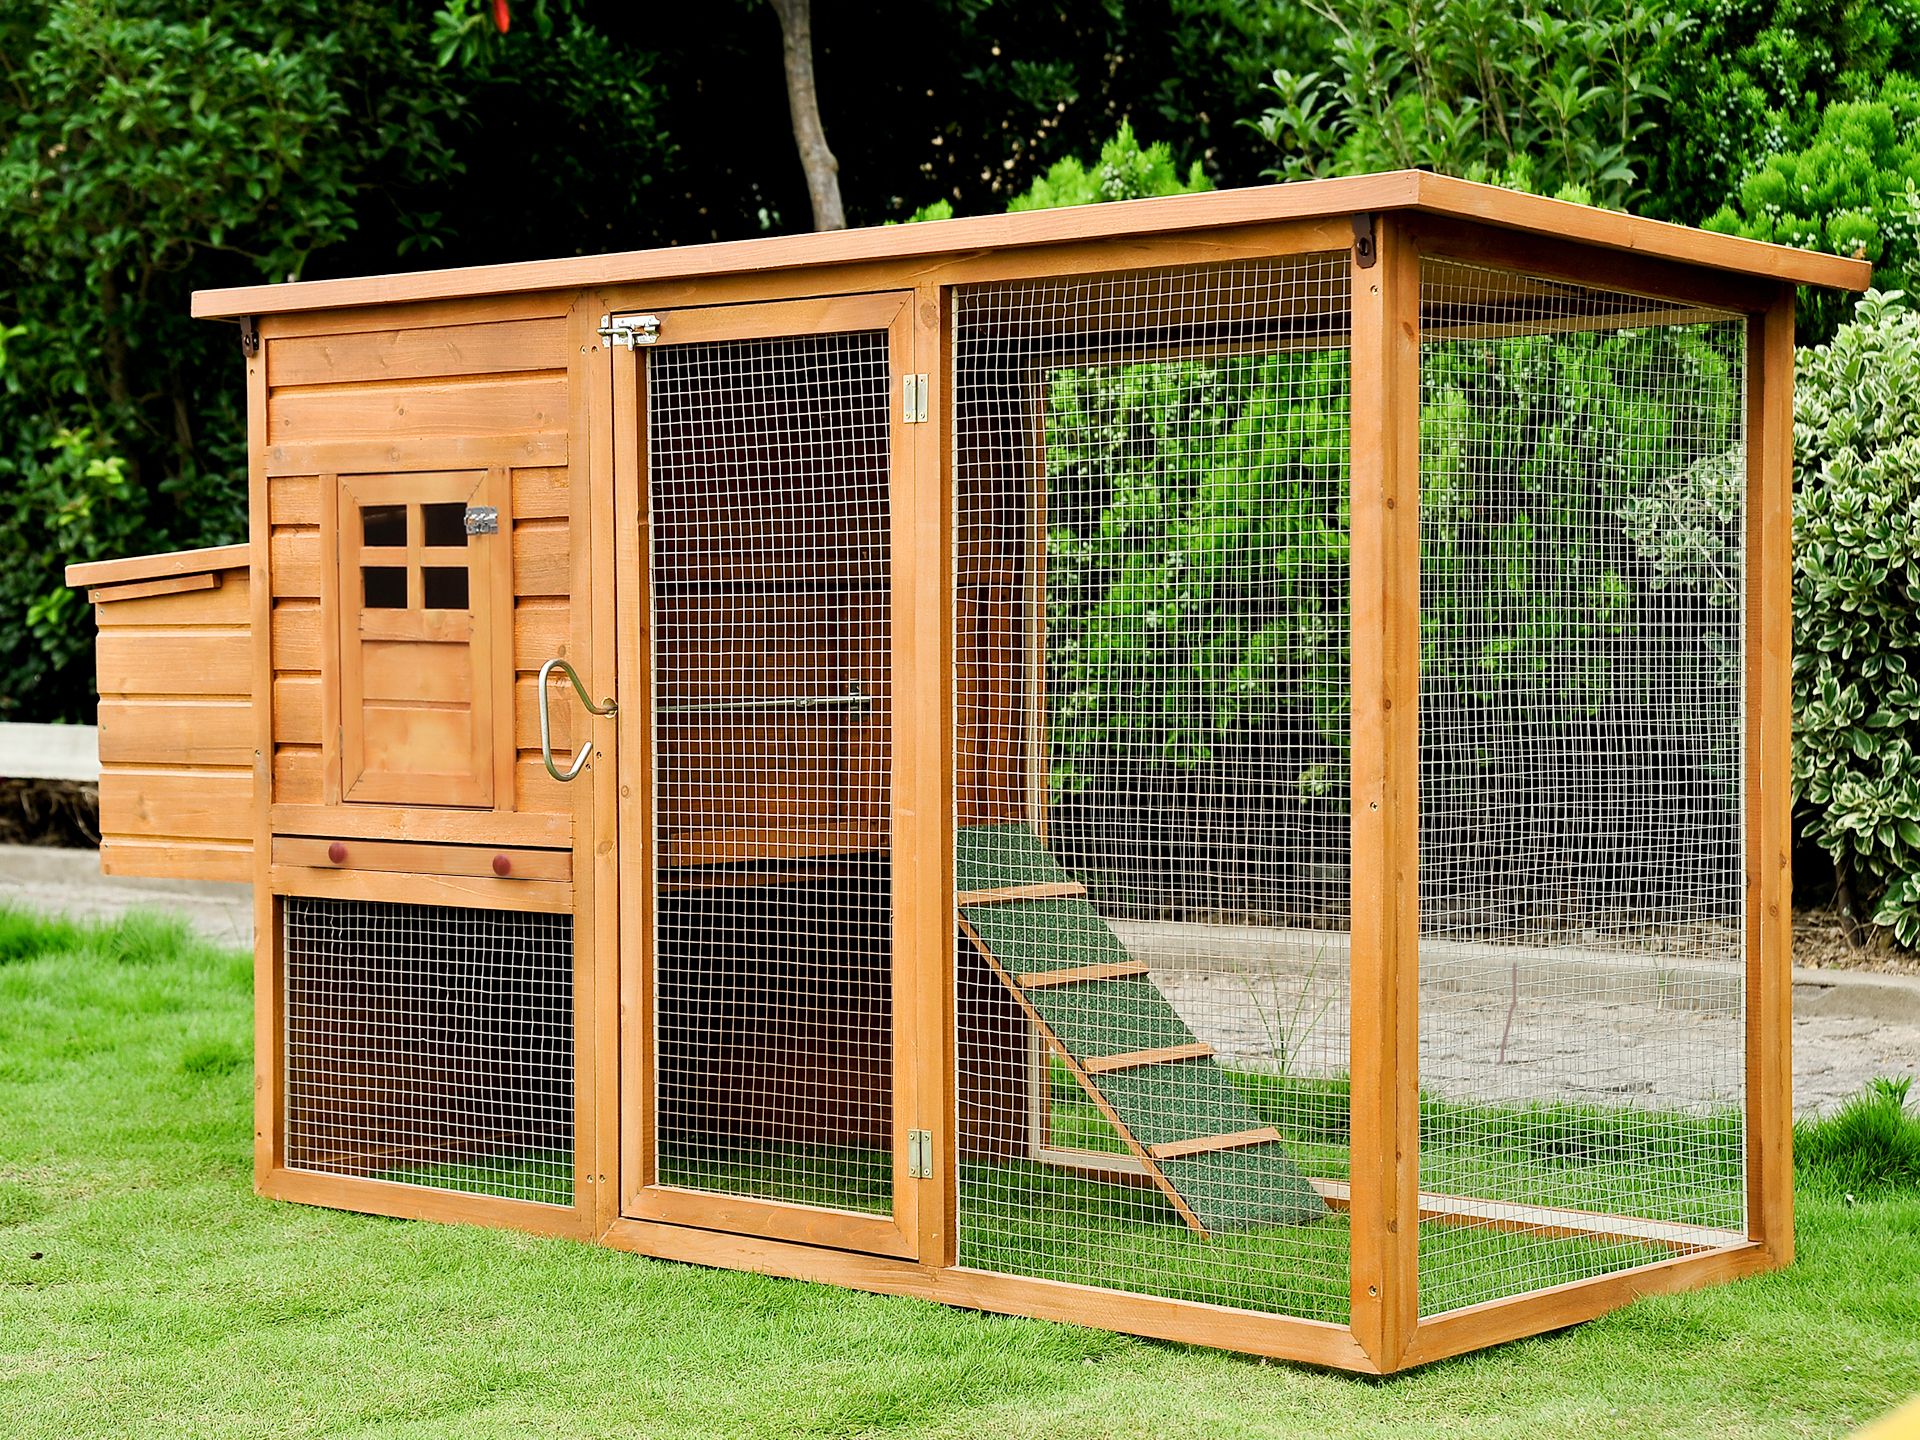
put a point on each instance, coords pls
(919, 1154)
(913, 399)
(483, 520)
(629, 330)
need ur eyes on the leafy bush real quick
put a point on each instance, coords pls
(1856, 609)
(1125, 171)
(1854, 189)
(1539, 95)
(1751, 78)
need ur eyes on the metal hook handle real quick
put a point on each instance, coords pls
(546, 723)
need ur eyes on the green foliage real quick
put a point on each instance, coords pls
(1197, 554)
(149, 148)
(1125, 171)
(1856, 608)
(1853, 189)
(1539, 95)
(1752, 77)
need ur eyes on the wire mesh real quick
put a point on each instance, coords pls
(1151, 676)
(430, 1045)
(768, 497)
(1581, 712)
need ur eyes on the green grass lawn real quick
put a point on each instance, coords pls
(144, 1290)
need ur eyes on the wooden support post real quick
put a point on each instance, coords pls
(923, 779)
(1769, 662)
(1385, 548)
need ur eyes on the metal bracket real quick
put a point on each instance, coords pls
(919, 1154)
(483, 520)
(249, 336)
(913, 399)
(629, 330)
(1364, 251)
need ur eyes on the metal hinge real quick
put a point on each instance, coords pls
(913, 399)
(920, 1154)
(1364, 251)
(629, 330)
(249, 336)
(483, 520)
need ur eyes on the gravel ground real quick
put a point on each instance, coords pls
(1496, 1023)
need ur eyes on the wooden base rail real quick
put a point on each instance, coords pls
(1280, 1337)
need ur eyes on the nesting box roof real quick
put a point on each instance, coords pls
(1405, 190)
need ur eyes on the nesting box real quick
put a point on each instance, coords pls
(1213, 766)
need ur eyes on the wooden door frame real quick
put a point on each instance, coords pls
(641, 1197)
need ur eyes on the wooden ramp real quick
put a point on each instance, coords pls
(1156, 1083)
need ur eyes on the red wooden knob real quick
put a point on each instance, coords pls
(502, 865)
(337, 853)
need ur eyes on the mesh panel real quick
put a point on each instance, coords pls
(1151, 720)
(430, 1045)
(1581, 955)
(768, 477)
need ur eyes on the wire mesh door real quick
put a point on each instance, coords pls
(764, 1095)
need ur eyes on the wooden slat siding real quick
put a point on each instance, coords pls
(444, 409)
(294, 500)
(540, 632)
(212, 730)
(176, 858)
(541, 492)
(479, 348)
(157, 661)
(296, 635)
(1769, 861)
(297, 772)
(1165, 216)
(542, 558)
(393, 454)
(227, 605)
(1385, 549)
(184, 802)
(296, 707)
(295, 561)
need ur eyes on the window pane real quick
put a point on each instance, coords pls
(383, 524)
(445, 524)
(446, 587)
(385, 586)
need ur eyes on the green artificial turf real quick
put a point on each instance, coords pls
(144, 1289)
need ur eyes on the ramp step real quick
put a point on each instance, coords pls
(1039, 980)
(1205, 1144)
(1132, 1059)
(1096, 1008)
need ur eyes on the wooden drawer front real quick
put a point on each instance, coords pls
(398, 856)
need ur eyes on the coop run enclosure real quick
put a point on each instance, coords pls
(1212, 766)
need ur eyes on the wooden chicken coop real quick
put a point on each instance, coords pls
(1212, 766)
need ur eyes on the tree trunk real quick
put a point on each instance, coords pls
(823, 171)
